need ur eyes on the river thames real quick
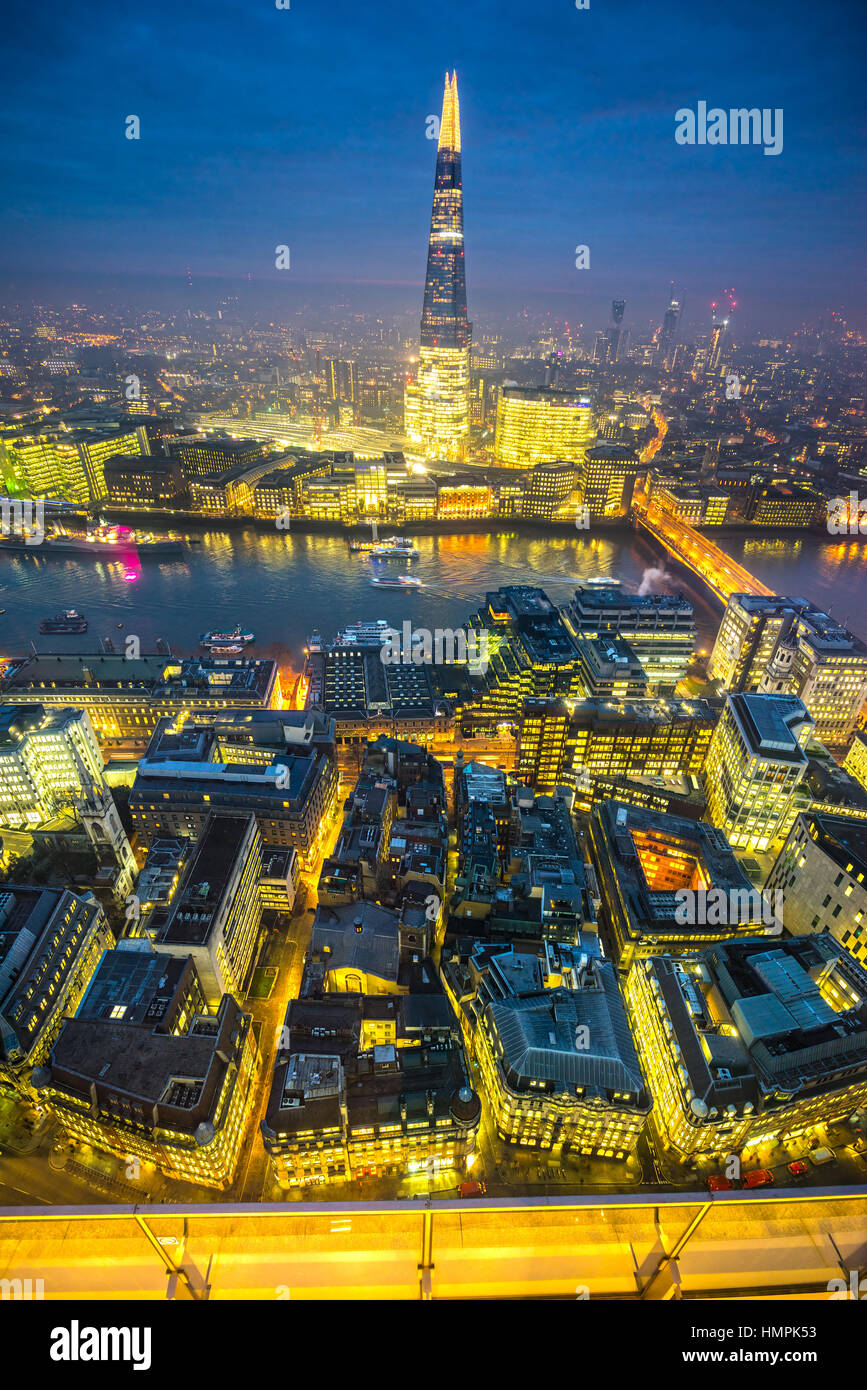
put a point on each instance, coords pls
(284, 586)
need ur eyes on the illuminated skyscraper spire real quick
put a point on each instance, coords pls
(438, 403)
(450, 125)
(444, 320)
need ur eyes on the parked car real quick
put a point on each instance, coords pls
(473, 1189)
(797, 1169)
(717, 1182)
(822, 1155)
(759, 1177)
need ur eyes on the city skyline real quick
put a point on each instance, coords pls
(340, 177)
(433, 681)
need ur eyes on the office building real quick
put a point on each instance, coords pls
(437, 403)
(341, 381)
(557, 740)
(46, 758)
(789, 646)
(656, 874)
(191, 769)
(689, 502)
(821, 873)
(214, 913)
(126, 697)
(784, 505)
(606, 479)
(146, 1072)
(668, 332)
(856, 758)
(531, 655)
(70, 464)
(551, 1039)
(279, 879)
(366, 697)
(609, 669)
(143, 483)
(660, 628)
(165, 860)
(749, 1044)
(95, 450)
(368, 1087)
(51, 942)
(755, 769)
(202, 458)
(538, 424)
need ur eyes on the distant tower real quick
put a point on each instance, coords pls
(98, 814)
(618, 309)
(669, 327)
(723, 313)
(437, 404)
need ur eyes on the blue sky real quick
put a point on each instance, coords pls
(307, 126)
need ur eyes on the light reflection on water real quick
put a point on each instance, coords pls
(283, 585)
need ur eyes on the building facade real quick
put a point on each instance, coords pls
(437, 403)
(754, 777)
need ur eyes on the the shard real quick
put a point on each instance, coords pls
(438, 401)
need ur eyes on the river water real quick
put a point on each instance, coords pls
(283, 586)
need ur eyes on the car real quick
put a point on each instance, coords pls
(798, 1168)
(822, 1155)
(473, 1189)
(759, 1177)
(717, 1182)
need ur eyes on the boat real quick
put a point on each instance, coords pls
(362, 547)
(226, 639)
(107, 542)
(602, 581)
(398, 581)
(226, 651)
(68, 621)
(394, 548)
(372, 633)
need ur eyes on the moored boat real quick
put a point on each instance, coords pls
(226, 639)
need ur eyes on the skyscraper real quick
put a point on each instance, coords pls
(669, 328)
(437, 404)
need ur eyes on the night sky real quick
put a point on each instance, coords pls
(307, 126)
